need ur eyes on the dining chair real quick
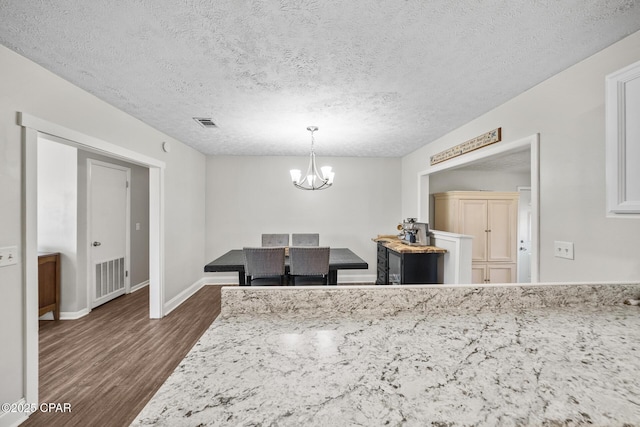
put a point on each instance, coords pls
(264, 266)
(275, 240)
(305, 239)
(309, 265)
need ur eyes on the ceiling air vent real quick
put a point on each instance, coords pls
(205, 122)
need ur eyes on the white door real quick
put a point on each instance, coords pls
(108, 220)
(524, 235)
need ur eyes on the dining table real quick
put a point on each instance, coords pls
(339, 259)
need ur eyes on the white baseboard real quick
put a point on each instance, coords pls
(13, 419)
(66, 315)
(356, 278)
(172, 304)
(227, 278)
(73, 315)
(139, 286)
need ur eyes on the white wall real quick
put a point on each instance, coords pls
(26, 87)
(248, 196)
(568, 112)
(58, 213)
(470, 180)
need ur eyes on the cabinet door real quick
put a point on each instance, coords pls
(501, 273)
(478, 273)
(473, 222)
(502, 237)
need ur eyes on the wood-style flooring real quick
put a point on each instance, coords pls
(110, 363)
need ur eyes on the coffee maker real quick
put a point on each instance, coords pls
(414, 233)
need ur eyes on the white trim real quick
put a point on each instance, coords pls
(74, 315)
(533, 143)
(84, 141)
(14, 419)
(66, 315)
(139, 286)
(156, 243)
(345, 277)
(617, 142)
(184, 295)
(30, 263)
(31, 127)
(223, 278)
(91, 286)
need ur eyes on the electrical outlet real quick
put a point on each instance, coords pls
(8, 256)
(563, 249)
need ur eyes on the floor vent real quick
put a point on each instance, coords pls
(110, 277)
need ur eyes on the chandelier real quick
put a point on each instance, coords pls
(312, 179)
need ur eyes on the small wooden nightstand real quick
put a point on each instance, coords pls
(49, 284)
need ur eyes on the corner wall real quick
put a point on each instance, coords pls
(568, 112)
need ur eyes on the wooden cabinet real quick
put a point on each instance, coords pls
(406, 268)
(491, 218)
(49, 284)
(413, 268)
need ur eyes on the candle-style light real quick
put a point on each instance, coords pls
(312, 179)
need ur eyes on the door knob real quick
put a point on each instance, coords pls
(96, 243)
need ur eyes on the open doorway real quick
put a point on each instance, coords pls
(521, 152)
(67, 211)
(33, 128)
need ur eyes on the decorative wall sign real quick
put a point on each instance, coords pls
(483, 140)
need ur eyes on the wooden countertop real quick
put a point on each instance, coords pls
(395, 244)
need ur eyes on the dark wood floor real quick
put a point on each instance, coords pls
(110, 363)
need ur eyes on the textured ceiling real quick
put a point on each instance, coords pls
(379, 78)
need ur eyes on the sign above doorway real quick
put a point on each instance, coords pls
(483, 140)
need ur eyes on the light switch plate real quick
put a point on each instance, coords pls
(563, 249)
(8, 256)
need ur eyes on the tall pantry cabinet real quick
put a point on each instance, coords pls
(492, 219)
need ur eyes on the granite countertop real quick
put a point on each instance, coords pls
(395, 244)
(555, 366)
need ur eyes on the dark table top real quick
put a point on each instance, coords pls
(339, 259)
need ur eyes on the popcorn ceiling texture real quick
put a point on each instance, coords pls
(379, 78)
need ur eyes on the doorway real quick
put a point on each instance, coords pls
(33, 128)
(530, 143)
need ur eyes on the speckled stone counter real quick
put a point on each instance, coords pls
(390, 300)
(565, 363)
